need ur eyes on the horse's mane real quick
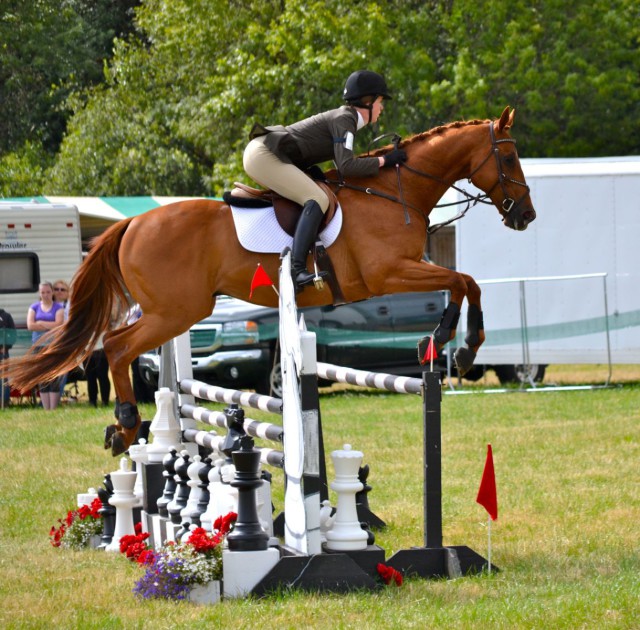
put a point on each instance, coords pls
(419, 137)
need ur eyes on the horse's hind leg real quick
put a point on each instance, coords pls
(121, 435)
(122, 346)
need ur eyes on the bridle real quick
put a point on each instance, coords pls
(508, 203)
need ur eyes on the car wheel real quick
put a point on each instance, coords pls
(275, 381)
(520, 373)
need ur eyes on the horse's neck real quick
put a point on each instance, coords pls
(447, 155)
(443, 159)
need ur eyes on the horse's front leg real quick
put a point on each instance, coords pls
(446, 329)
(465, 356)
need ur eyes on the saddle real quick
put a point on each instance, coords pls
(287, 211)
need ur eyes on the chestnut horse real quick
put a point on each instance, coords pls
(174, 260)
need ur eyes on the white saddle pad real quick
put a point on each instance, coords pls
(259, 231)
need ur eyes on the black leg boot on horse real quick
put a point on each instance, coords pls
(306, 232)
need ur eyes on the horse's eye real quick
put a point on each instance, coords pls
(510, 160)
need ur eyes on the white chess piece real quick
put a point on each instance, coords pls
(194, 494)
(346, 533)
(138, 453)
(210, 515)
(165, 427)
(123, 500)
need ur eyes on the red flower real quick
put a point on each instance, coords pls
(223, 524)
(146, 557)
(134, 550)
(57, 533)
(132, 545)
(389, 574)
(202, 541)
(96, 506)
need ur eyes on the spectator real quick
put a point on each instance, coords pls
(97, 372)
(61, 294)
(42, 317)
(7, 339)
(97, 368)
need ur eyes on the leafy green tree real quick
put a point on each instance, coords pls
(572, 71)
(174, 111)
(213, 69)
(48, 49)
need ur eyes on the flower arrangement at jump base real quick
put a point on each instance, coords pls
(174, 570)
(78, 527)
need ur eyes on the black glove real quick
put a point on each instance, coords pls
(395, 157)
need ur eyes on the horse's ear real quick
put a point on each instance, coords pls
(506, 120)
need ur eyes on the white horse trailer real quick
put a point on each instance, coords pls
(39, 242)
(566, 290)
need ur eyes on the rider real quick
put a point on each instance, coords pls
(277, 157)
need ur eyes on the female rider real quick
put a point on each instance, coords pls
(276, 157)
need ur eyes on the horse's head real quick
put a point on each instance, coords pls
(502, 178)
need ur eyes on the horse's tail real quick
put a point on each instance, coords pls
(97, 290)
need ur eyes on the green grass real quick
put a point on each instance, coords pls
(566, 540)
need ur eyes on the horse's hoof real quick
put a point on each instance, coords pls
(464, 358)
(108, 435)
(118, 444)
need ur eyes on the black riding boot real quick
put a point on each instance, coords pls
(306, 232)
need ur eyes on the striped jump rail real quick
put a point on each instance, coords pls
(377, 380)
(263, 430)
(229, 396)
(209, 439)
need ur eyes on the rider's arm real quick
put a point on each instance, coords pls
(343, 130)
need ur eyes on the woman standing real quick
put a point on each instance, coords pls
(61, 294)
(42, 317)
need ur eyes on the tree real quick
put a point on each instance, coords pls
(572, 71)
(49, 50)
(173, 112)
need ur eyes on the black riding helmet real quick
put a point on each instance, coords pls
(364, 83)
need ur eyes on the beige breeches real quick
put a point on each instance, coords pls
(286, 179)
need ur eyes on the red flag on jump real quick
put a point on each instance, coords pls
(487, 495)
(260, 279)
(431, 352)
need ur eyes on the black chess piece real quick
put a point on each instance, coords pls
(361, 497)
(247, 534)
(107, 512)
(168, 462)
(235, 429)
(181, 495)
(365, 515)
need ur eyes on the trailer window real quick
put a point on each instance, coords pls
(19, 272)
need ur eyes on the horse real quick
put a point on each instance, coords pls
(176, 259)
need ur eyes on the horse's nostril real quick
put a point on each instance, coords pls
(529, 216)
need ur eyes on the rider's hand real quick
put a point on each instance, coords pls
(395, 157)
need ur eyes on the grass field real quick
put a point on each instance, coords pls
(566, 539)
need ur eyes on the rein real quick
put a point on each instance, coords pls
(508, 203)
